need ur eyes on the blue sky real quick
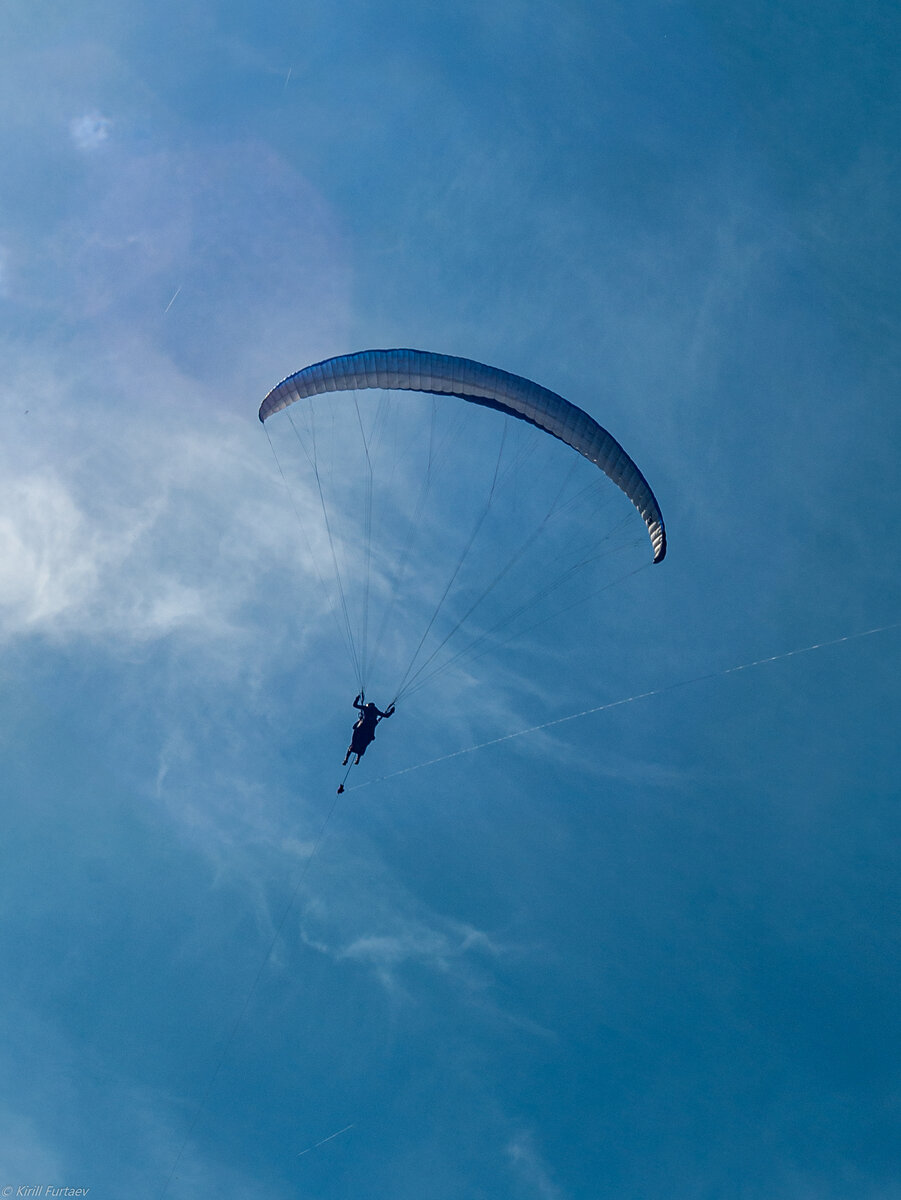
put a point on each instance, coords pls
(652, 951)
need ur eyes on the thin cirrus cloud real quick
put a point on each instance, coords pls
(90, 131)
(532, 1171)
(127, 535)
(137, 497)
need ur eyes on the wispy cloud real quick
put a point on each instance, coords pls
(90, 131)
(26, 1153)
(137, 496)
(441, 949)
(446, 947)
(133, 529)
(532, 1171)
(83, 560)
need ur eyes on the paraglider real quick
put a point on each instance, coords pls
(364, 728)
(365, 573)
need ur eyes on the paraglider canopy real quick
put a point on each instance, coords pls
(451, 523)
(445, 375)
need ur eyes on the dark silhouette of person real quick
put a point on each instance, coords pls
(364, 729)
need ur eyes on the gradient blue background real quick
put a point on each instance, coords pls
(649, 953)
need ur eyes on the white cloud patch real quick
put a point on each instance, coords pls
(90, 131)
(27, 1156)
(138, 498)
(531, 1169)
(442, 945)
(441, 950)
(365, 915)
(135, 529)
(48, 562)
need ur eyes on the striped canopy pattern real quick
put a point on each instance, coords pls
(445, 375)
